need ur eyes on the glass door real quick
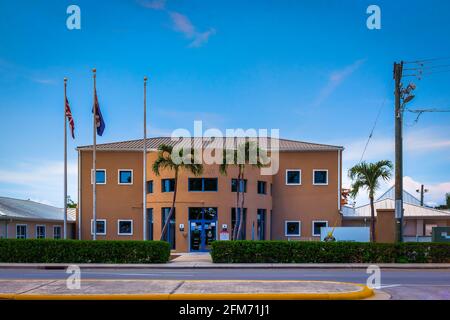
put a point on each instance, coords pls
(196, 228)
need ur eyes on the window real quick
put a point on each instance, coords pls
(56, 232)
(292, 228)
(125, 227)
(202, 184)
(149, 223)
(21, 231)
(40, 232)
(196, 213)
(235, 222)
(261, 224)
(234, 183)
(262, 187)
(125, 176)
(320, 177)
(100, 176)
(101, 227)
(293, 177)
(167, 185)
(150, 186)
(317, 225)
(169, 235)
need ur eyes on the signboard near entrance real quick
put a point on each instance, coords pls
(224, 235)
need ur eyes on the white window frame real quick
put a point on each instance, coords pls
(118, 177)
(320, 221)
(293, 184)
(118, 227)
(60, 231)
(36, 231)
(299, 228)
(314, 174)
(92, 227)
(26, 230)
(93, 176)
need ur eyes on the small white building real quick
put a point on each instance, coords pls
(418, 220)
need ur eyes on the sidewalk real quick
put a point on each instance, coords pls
(183, 290)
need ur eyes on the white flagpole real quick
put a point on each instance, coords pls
(65, 160)
(94, 213)
(144, 175)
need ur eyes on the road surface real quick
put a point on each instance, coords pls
(400, 284)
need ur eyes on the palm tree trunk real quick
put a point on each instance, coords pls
(241, 221)
(372, 220)
(236, 224)
(172, 209)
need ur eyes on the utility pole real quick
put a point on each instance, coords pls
(422, 191)
(398, 69)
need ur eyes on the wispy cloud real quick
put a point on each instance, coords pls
(41, 181)
(9, 69)
(335, 79)
(181, 23)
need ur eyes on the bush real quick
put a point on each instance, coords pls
(83, 251)
(328, 252)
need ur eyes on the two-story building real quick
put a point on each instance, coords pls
(293, 203)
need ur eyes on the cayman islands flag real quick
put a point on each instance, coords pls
(100, 124)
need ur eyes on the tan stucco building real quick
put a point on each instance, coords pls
(294, 203)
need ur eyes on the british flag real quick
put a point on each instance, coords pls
(70, 119)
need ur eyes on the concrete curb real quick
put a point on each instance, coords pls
(56, 266)
(365, 293)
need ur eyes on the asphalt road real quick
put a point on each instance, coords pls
(401, 284)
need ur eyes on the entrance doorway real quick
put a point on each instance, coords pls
(202, 228)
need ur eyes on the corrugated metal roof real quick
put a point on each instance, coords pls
(410, 210)
(30, 210)
(407, 197)
(153, 143)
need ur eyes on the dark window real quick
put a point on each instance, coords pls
(40, 232)
(317, 225)
(125, 227)
(293, 177)
(210, 184)
(202, 184)
(261, 226)
(21, 231)
(125, 177)
(101, 227)
(262, 187)
(56, 232)
(202, 213)
(320, 177)
(149, 223)
(235, 221)
(169, 235)
(167, 185)
(234, 183)
(150, 186)
(292, 228)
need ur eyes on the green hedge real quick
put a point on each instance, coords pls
(83, 251)
(326, 252)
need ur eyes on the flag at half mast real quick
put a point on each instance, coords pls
(100, 124)
(70, 119)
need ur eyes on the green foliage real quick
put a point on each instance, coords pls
(328, 252)
(82, 251)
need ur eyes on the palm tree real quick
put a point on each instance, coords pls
(249, 150)
(367, 176)
(166, 161)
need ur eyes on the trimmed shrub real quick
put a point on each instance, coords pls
(83, 251)
(328, 252)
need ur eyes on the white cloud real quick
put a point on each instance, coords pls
(335, 79)
(41, 181)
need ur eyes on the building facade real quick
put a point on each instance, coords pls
(26, 219)
(294, 203)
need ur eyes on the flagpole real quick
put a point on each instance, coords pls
(65, 160)
(144, 177)
(94, 184)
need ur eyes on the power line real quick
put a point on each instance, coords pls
(426, 60)
(373, 129)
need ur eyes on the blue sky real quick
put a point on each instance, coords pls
(310, 68)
